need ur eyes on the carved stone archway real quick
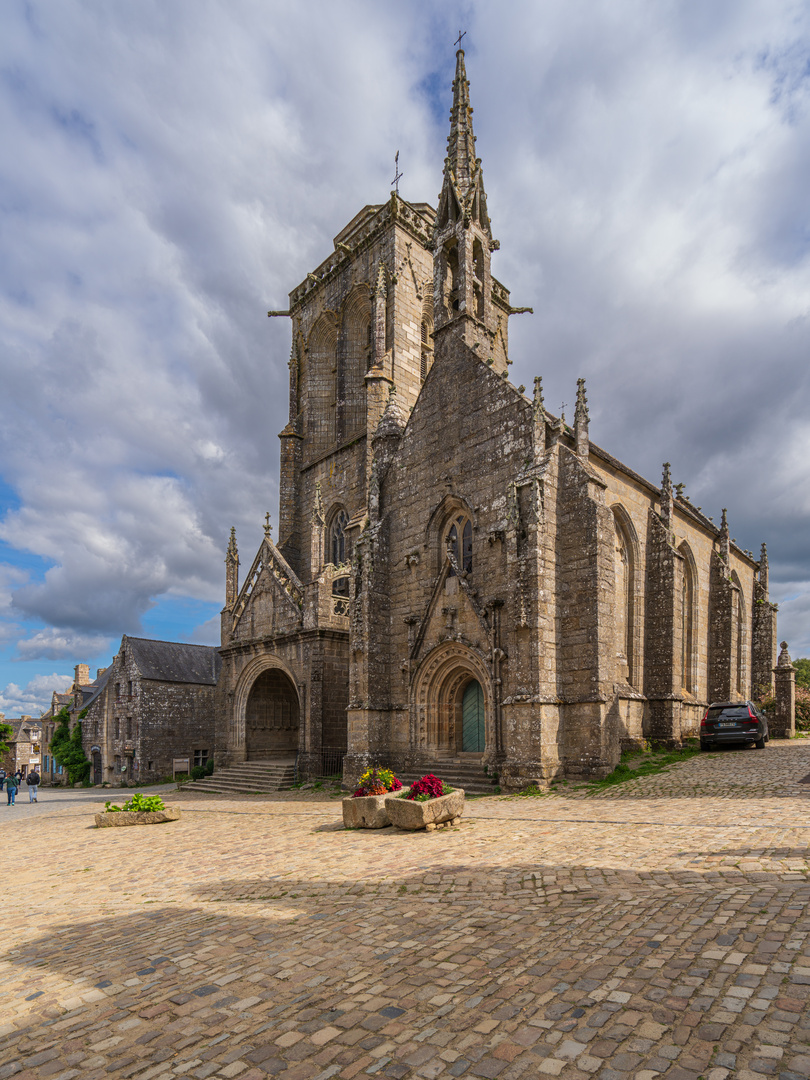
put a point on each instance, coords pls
(437, 695)
(267, 711)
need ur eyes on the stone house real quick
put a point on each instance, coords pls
(155, 703)
(460, 574)
(25, 745)
(74, 699)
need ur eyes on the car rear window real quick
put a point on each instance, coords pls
(730, 712)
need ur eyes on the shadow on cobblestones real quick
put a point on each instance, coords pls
(351, 978)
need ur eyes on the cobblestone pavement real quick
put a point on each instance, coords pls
(662, 932)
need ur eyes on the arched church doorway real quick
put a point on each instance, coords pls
(452, 702)
(271, 716)
(473, 733)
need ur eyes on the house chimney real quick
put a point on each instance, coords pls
(100, 671)
(81, 675)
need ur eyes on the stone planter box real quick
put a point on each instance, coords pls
(369, 811)
(418, 815)
(136, 817)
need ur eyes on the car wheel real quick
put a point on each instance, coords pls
(705, 744)
(760, 743)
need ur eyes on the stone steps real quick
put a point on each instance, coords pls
(458, 774)
(252, 777)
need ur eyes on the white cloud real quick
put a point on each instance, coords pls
(35, 698)
(51, 644)
(207, 633)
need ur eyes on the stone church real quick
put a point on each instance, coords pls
(459, 575)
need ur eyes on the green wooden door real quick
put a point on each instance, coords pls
(472, 710)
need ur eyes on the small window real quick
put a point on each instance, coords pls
(337, 538)
(200, 757)
(118, 763)
(118, 691)
(459, 540)
(129, 727)
(117, 728)
(427, 350)
(149, 766)
(129, 686)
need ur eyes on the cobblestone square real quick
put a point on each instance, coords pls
(658, 929)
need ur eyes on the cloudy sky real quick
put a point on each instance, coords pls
(170, 170)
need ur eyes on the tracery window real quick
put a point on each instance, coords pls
(337, 538)
(459, 542)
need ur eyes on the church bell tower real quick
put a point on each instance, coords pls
(466, 301)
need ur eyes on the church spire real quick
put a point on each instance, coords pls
(463, 196)
(463, 244)
(461, 141)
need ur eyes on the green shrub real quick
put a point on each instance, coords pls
(66, 746)
(138, 803)
(209, 767)
(198, 772)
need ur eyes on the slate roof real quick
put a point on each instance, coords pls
(172, 661)
(90, 691)
(20, 729)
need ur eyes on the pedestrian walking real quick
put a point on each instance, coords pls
(2, 778)
(32, 780)
(11, 788)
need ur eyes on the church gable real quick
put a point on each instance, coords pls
(453, 614)
(271, 599)
(469, 433)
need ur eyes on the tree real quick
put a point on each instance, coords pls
(802, 673)
(66, 747)
(5, 734)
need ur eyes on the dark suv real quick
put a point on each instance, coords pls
(733, 721)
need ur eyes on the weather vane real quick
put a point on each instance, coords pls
(399, 175)
(458, 40)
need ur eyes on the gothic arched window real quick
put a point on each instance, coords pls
(337, 538)
(478, 274)
(459, 542)
(451, 280)
(625, 560)
(688, 620)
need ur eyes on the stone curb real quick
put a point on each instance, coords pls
(136, 817)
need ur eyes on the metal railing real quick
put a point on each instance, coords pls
(331, 765)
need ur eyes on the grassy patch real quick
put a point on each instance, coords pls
(532, 791)
(636, 763)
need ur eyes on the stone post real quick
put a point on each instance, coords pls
(783, 725)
